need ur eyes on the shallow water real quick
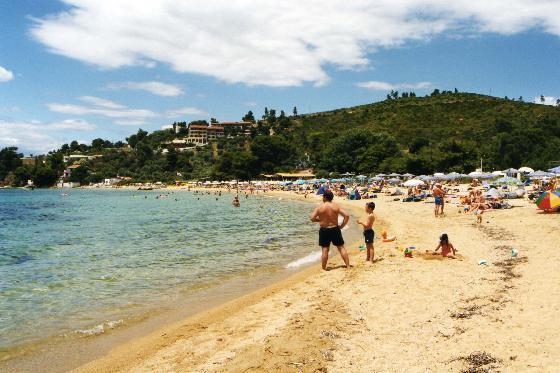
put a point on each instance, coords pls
(90, 261)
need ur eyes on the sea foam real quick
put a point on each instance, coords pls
(310, 258)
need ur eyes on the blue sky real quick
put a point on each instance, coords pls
(82, 69)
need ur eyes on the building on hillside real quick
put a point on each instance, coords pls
(215, 132)
(234, 129)
(68, 171)
(200, 134)
(29, 161)
(77, 157)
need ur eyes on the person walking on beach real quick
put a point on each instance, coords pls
(439, 195)
(330, 232)
(369, 234)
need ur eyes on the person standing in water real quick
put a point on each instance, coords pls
(236, 201)
(369, 234)
(330, 232)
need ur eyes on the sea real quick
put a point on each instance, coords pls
(76, 263)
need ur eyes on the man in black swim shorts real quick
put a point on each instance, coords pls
(330, 232)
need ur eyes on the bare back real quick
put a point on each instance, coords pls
(327, 214)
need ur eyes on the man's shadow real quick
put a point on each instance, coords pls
(337, 267)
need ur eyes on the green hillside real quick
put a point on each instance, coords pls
(504, 132)
(441, 132)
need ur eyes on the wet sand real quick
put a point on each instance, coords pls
(399, 314)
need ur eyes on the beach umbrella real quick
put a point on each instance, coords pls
(476, 174)
(540, 174)
(322, 180)
(526, 170)
(556, 170)
(492, 193)
(347, 174)
(361, 177)
(408, 175)
(394, 174)
(413, 183)
(300, 182)
(511, 171)
(376, 178)
(507, 181)
(380, 175)
(549, 200)
(394, 180)
(498, 173)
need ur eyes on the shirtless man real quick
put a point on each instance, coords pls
(438, 193)
(330, 232)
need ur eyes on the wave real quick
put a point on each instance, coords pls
(310, 258)
(101, 328)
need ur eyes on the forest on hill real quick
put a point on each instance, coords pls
(445, 131)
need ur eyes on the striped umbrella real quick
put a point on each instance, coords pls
(549, 200)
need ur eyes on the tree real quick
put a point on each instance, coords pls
(359, 150)
(249, 117)
(213, 121)
(44, 176)
(79, 175)
(295, 111)
(435, 92)
(97, 144)
(456, 91)
(10, 159)
(236, 165)
(558, 102)
(172, 159)
(133, 140)
(542, 99)
(272, 153)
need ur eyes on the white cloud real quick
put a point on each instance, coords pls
(176, 113)
(156, 88)
(548, 100)
(101, 102)
(251, 103)
(272, 43)
(110, 113)
(384, 86)
(37, 137)
(130, 122)
(71, 124)
(5, 75)
(121, 114)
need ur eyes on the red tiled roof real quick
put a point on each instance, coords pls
(198, 126)
(215, 128)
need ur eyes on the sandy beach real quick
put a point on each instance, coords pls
(399, 314)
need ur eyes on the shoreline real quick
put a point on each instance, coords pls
(424, 313)
(37, 355)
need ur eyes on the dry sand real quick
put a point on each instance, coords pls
(397, 315)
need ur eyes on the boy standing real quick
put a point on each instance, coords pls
(369, 234)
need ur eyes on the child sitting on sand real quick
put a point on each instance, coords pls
(446, 247)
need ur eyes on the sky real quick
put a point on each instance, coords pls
(84, 69)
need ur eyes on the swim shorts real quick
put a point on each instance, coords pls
(330, 235)
(439, 200)
(369, 235)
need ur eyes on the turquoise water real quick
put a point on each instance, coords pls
(93, 259)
